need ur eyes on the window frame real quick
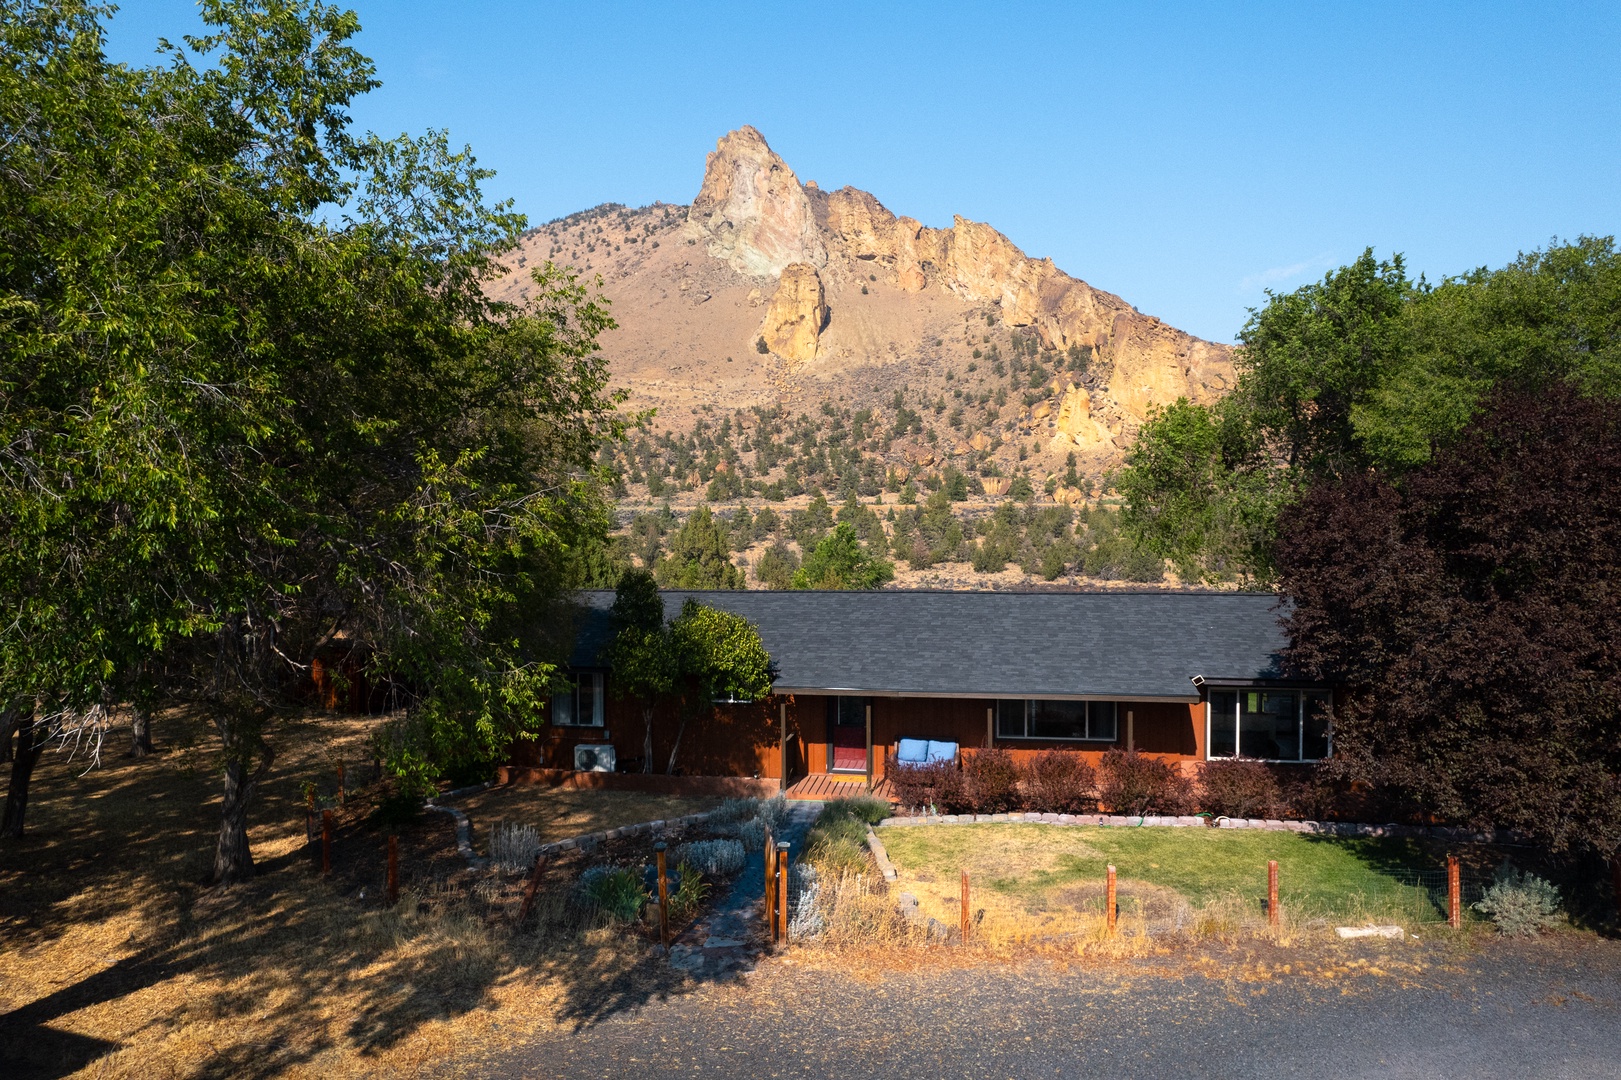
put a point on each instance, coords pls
(1087, 738)
(1301, 693)
(599, 686)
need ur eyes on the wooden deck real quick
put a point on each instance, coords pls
(820, 787)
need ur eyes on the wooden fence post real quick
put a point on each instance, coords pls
(530, 889)
(341, 799)
(393, 869)
(309, 813)
(1109, 906)
(326, 842)
(770, 880)
(782, 892)
(1272, 891)
(1454, 894)
(966, 920)
(664, 898)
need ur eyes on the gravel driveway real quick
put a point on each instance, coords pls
(1547, 1009)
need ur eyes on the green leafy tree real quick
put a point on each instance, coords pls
(256, 398)
(642, 653)
(700, 557)
(1366, 369)
(841, 561)
(722, 660)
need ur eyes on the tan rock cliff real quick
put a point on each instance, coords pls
(798, 311)
(753, 210)
(755, 214)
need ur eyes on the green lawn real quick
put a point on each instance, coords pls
(1041, 867)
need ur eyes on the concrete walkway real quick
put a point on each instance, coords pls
(732, 936)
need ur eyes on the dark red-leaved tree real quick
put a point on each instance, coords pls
(1472, 613)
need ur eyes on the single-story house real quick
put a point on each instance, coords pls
(1185, 676)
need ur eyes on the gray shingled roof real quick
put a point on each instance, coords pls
(994, 644)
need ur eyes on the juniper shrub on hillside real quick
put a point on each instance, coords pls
(1130, 783)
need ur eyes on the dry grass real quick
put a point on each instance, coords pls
(559, 813)
(116, 961)
(1040, 892)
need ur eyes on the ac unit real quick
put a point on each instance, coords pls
(594, 757)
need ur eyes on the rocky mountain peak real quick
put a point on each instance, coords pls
(772, 293)
(753, 210)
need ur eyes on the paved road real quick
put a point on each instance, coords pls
(1357, 1011)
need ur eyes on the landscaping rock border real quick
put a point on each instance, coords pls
(584, 842)
(1320, 828)
(588, 841)
(880, 856)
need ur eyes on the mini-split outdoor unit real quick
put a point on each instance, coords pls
(594, 757)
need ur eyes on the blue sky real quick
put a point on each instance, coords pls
(1186, 156)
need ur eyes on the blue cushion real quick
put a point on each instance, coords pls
(912, 751)
(942, 751)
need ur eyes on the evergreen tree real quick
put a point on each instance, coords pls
(700, 557)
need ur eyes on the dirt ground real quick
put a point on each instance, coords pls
(117, 960)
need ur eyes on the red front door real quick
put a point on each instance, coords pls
(850, 735)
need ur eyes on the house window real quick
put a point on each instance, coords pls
(1269, 724)
(581, 704)
(1021, 718)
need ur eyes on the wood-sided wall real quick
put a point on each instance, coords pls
(744, 740)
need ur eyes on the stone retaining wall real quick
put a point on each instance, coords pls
(645, 828)
(1321, 828)
(735, 787)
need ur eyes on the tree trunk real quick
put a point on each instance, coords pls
(8, 728)
(32, 734)
(233, 860)
(675, 747)
(140, 732)
(647, 739)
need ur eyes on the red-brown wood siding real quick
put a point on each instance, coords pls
(743, 740)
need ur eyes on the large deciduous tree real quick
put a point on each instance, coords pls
(701, 656)
(254, 401)
(722, 660)
(1366, 369)
(641, 654)
(1472, 614)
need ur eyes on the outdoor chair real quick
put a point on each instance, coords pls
(924, 751)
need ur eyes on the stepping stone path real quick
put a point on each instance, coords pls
(730, 939)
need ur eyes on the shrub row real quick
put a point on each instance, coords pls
(1125, 782)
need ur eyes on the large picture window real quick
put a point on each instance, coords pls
(1269, 724)
(581, 705)
(1027, 718)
